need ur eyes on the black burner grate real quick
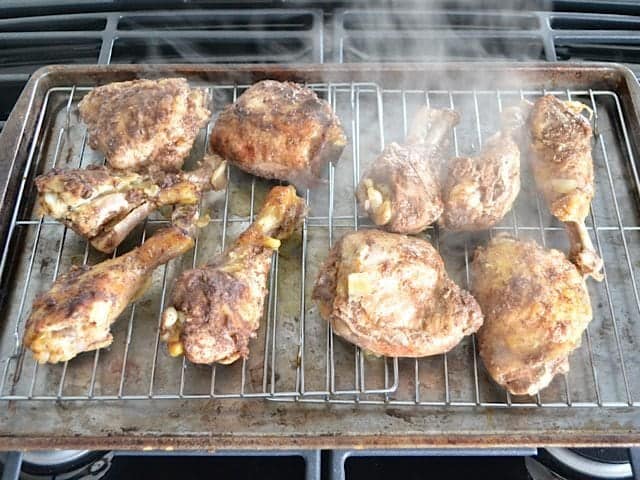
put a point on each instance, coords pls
(410, 35)
(10, 88)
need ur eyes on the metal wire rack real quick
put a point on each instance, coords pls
(296, 356)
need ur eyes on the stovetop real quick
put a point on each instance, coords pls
(331, 465)
(34, 33)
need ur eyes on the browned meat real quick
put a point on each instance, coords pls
(563, 170)
(536, 306)
(279, 130)
(104, 205)
(479, 191)
(75, 316)
(215, 310)
(401, 191)
(390, 294)
(145, 124)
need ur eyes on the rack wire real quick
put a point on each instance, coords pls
(296, 356)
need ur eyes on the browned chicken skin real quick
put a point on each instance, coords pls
(479, 191)
(536, 307)
(390, 294)
(145, 124)
(279, 130)
(563, 169)
(76, 314)
(401, 191)
(104, 205)
(216, 309)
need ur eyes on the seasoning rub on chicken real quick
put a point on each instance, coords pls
(279, 130)
(536, 307)
(216, 309)
(145, 124)
(390, 295)
(104, 205)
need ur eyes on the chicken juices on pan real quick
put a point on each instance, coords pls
(536, 307)
(390, 295)
(145, 124)
(563, 169)
(479, 191)
(104, 205)
(216, 309)
(279, 130)
(401, 190)
(76, 314)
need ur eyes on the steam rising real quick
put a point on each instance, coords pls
(441, 32)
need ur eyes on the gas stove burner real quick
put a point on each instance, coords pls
(65, 465)
(580, 464)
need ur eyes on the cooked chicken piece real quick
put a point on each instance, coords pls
(76, 314)
(390, 295)
(401, 191)
(479, 191)
(536, 306)
(145, 124)
(279, 130)
(563, 169)
(216, 309)
(104, 205)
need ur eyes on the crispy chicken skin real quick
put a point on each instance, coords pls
(104, 205)
(479, 191)
(145, 124)
(563, 170)
(279, 130)
(401, 190)
(216, 309)
(76, 314)
(536, 306)
(390, 295)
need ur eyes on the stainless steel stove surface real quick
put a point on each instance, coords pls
(35, 33)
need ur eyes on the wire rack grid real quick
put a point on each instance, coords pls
(296, 356)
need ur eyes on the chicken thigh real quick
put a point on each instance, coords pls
(145, 124)
(104, 205)
(216, 309)
(76, 314)
(536, 307)
(563, 170)
(390, 295)
(401, 191)
(479, 191)
(279, 130)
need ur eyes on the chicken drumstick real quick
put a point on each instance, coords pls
(216, 309)
(479, 191)
(401, 190)
(76, 314)
(563, 170)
